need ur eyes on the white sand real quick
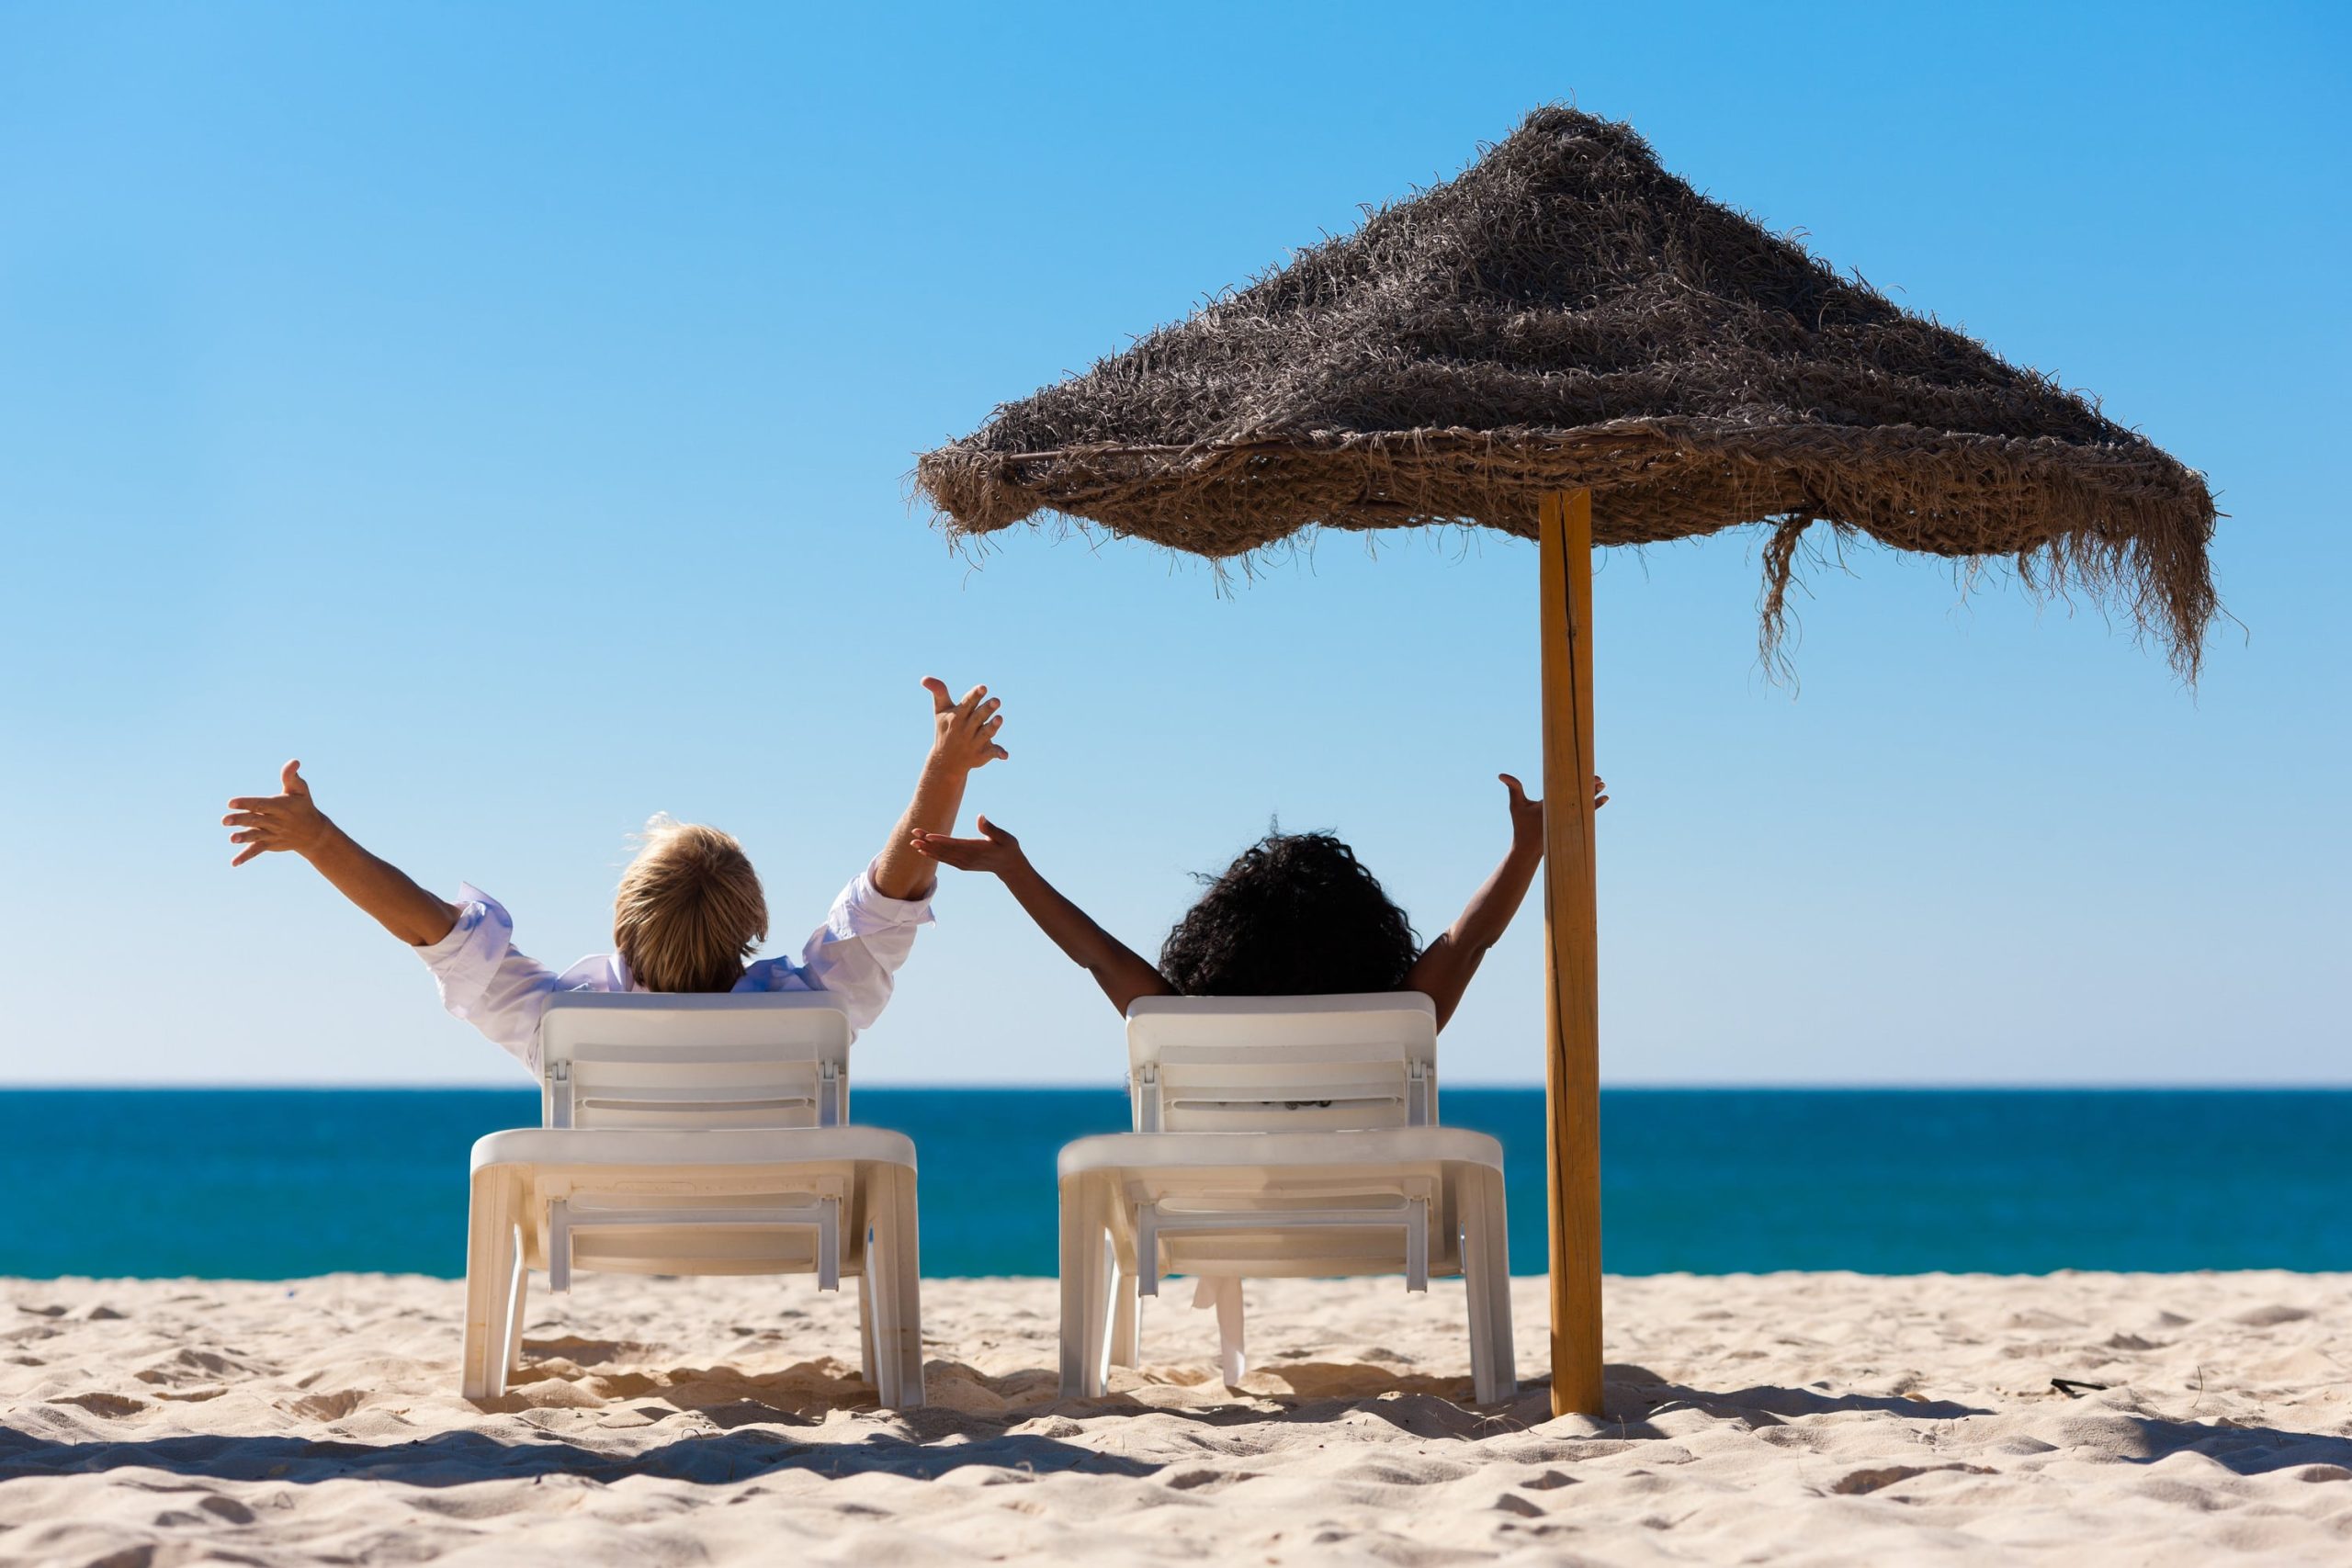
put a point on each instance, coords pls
(1820, 1418)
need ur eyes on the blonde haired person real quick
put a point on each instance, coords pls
(686, 916)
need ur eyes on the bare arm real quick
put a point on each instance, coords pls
(1445, 967)
(1122, 973)
(293, 821)
(963, 739)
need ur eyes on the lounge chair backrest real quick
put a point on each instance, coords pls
(1283, 1064)
(680, 1062)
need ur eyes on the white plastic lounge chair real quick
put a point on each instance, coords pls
(1278, 1136)
(695, 1134)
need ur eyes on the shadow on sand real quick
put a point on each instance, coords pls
(1636, 1397)
(458, 1458)
(769, 1425)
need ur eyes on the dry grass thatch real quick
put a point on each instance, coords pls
(1567, 314)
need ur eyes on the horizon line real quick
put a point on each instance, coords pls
(969, 1086)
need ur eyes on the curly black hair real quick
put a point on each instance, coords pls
(1295, 914)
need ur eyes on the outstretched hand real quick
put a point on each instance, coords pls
(287, 821)
(1527, 816)
(963, 738)
(964, 733)
(994, 850)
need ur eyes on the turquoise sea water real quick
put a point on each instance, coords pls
(276, 1183)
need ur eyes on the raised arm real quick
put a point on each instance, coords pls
(1443, 970)
(1122, 973)
(293, 821)
(963, 738)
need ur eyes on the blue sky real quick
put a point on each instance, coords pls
(508, 411)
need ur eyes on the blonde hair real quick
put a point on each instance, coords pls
(689, 909)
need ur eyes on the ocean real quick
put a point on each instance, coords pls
(278, 1183)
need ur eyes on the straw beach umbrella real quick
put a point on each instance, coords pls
(1568, 343)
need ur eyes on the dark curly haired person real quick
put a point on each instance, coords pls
(1294, 915)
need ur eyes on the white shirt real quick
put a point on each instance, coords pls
(503, 992)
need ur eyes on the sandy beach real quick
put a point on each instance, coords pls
(1815, 1419)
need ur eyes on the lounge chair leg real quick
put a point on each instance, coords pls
(1476, 1284)
(1116, 1289)
(883, 1266)
(1099, 1282)
(497, 1332)
(907, 1272)
(829, 1247)
(514, 1306)
(1471, 1238)
(1486, 1271)
(891, 1291)
(1499, 1289)
(1234, 1361)
(490, 1237)
(1081, 1265)
(1417, 1247)
(559, 1248)
(865, 1321)
(1148, 1248)
(1127, 1316)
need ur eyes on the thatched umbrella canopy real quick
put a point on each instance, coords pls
(1566, 315)
(1567, 343)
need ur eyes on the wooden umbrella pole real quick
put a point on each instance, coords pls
(1571, 969)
